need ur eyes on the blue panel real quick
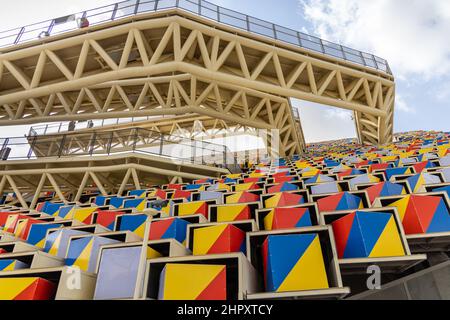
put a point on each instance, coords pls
(38, 232)
(372, 225)
(441, 219)
(282, 260)
(116, 278)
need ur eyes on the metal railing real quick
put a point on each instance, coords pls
(62, 127)
(135, 140)
(199, 7)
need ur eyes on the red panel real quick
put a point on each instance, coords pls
(244, 215)
(419, 213)
(41, 289)
(230, 240)
(17, 217)
(174, 186)
(344, 174)
(249, 197)
(329, 203)
(341, 230)
(374, 191)
(3, 217)
(289, 199)
(105, 218)
(286, 218)
(178, 194)
(25, 231)
(265, 257)
(379, 166)
(161, 194)
(420, 166)
(280, 174)
(362, 163)
(40, 206)
(217, 289)
(283, 179)
(159, 228)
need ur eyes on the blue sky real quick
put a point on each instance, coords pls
(411, 34)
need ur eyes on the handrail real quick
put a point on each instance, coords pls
(198, 7)
(63, 127)
(77, 144)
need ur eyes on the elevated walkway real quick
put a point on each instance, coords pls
(171, 58)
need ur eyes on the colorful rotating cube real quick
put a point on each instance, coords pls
(323, 188)
(50, 208)
(38, 232)
(23, 227)
(367, 235)
(283, 199)
(190, 208)
(134, 223)
(242, 197)
(174, 228)
(31, 288)
(193, 282)
(117, 272)
(281, 187)
(83, 252)
(416, 182)
(56, 242)
(340, 201)
(423, 214)
(12, 264)
(287, 218)
(221, 238)
(234, 212)
(293, 263)
(138, 204)
(107, 218)
(384, 189)
(84, 215)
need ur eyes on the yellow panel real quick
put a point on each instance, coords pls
(268, 220)
(20, 226)
(401, 206)
(10, 267)
(229, 213)
(309, 272)
(140, 230)
(234, 198)
(12, 287)
(272, 202)
(389, 244)
(310, 173)
(189, 208)
(54, 249)
(83, 259)
(152, 253)
(256, 175)
(10, 221)
(187, 281)
(204, 238)
(83, 213)
(243, 186)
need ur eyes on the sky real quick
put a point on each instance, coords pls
(411, 34)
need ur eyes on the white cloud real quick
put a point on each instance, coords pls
(411, 34)
(402, 105)
(338, 114)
